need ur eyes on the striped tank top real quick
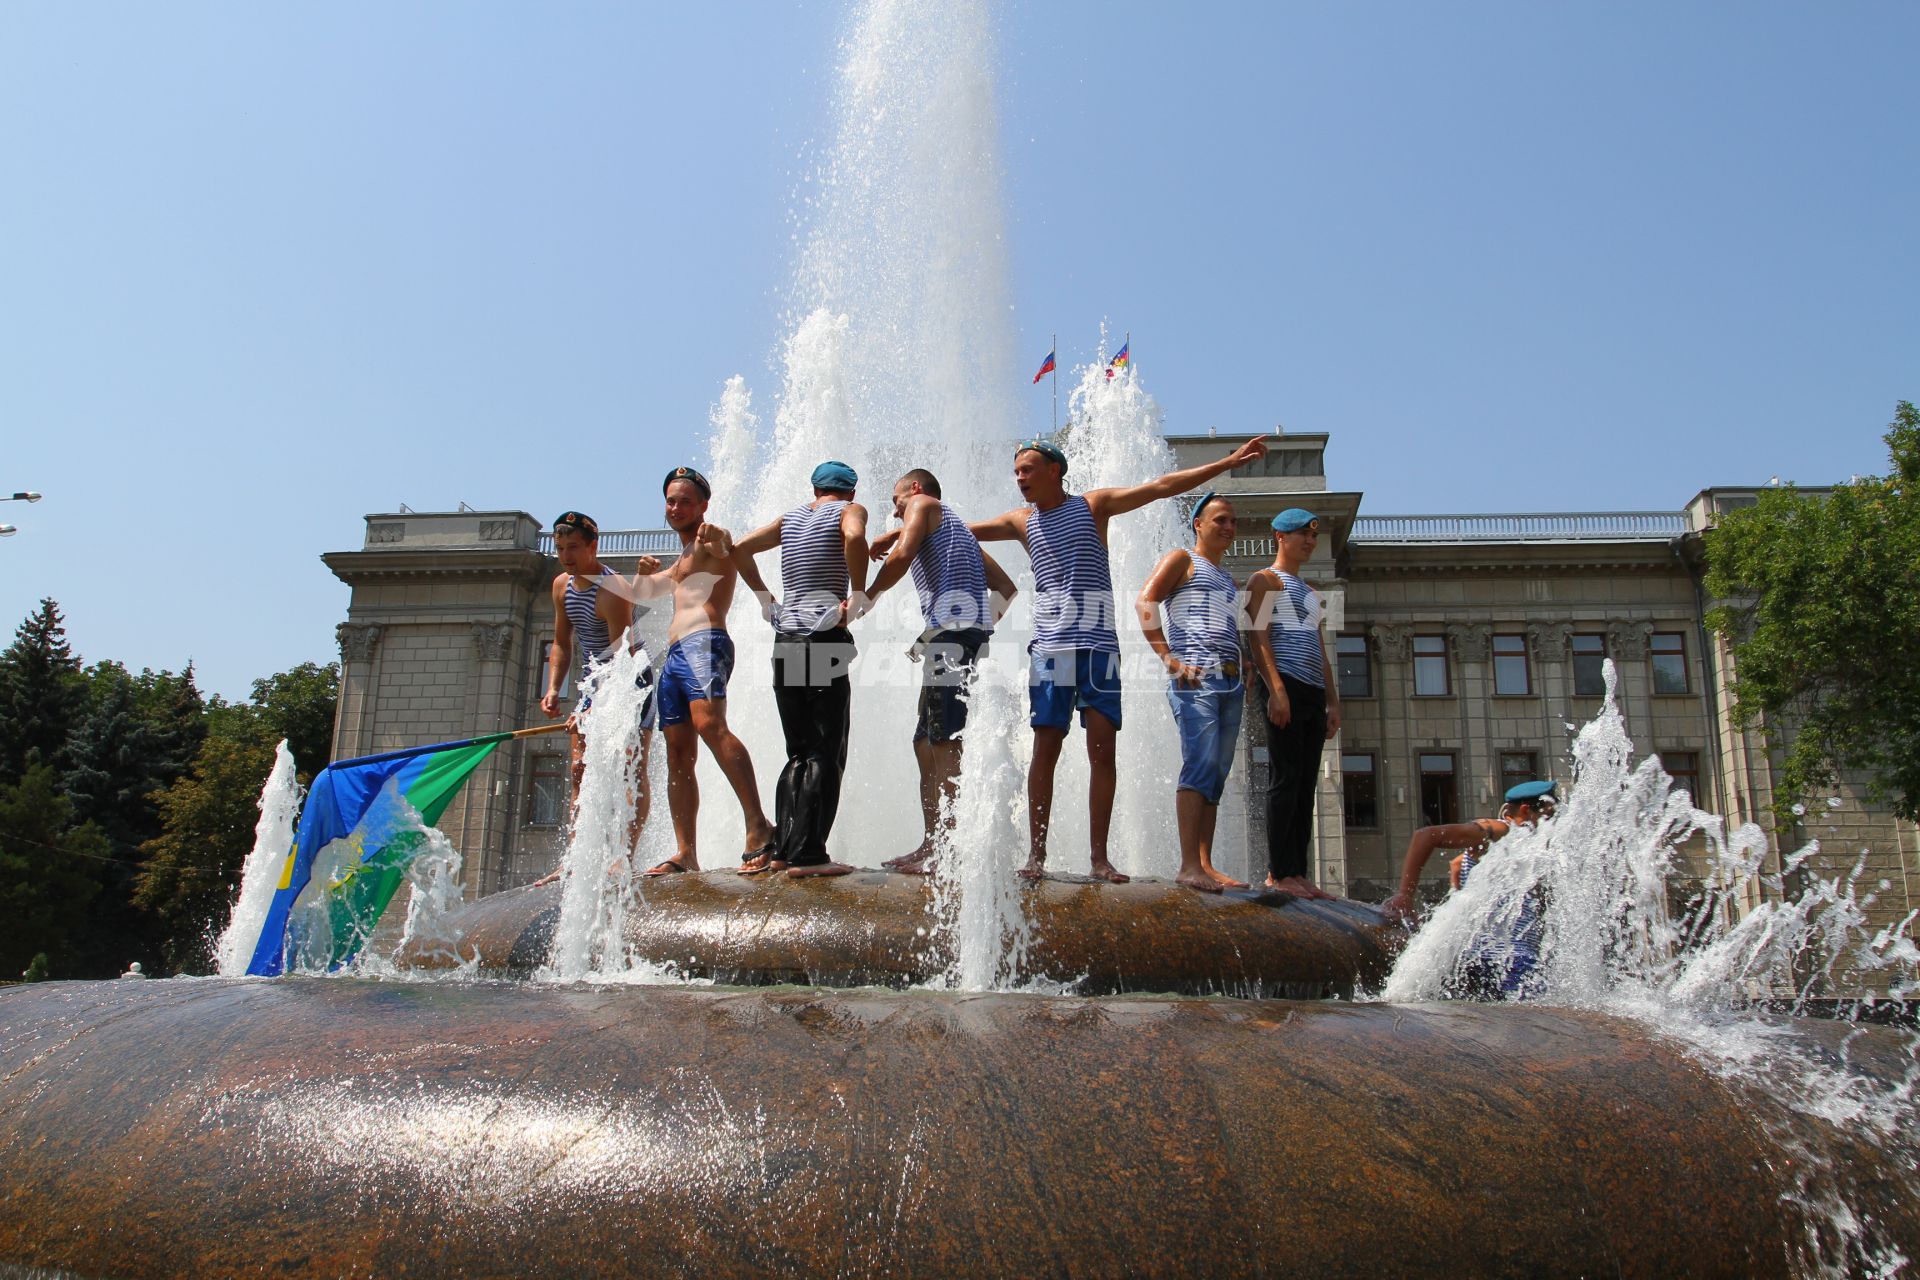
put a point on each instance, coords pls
(1073, 583)
(813, 567)
(1203, 628)
(1521, 952)
(1294, 631)
(951, 577)
(591, 642)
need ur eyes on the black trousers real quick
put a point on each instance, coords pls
(1293, 773)
(814, 694)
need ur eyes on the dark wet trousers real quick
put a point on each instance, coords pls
(1293, 774)
(815, 697)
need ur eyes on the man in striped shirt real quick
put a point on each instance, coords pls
(823, 565)
(963, 595)
(1075, 654)
(1302, 701)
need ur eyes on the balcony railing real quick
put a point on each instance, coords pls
(1573, 526)
(628, 542)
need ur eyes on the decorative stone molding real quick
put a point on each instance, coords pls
(1472, 642)
(497, 530)
(1628, 641)
(357, 640)
(492, 641)
(383, 533)
(1390, 642)
(1549, 641)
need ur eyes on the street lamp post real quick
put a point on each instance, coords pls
(24, 495)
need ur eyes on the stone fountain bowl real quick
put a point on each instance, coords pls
(878, 928)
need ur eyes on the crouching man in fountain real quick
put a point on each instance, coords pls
(1302, 702)
(963, 595)
(588, 622)
(693, 679)
(1075, 653)
(1201, 649)
(1495, 968)
(823, 565)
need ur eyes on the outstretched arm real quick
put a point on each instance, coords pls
(913, 534)
(742, 553)
(1454, 835)
(1010, 526)
(1112, 502)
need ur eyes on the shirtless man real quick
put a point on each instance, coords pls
(1074, 659)
(963, 595)
(591, 621)
(693, 679)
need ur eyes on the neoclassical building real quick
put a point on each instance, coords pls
(1467, 646)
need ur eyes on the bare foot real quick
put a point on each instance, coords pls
(1034, 870)
(1104, 870)
(919, 866)
(1224, 880)
(1299, 887)
(918, 855)
(1198, 880)
(819, 869)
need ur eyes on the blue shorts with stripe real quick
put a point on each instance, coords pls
(1062, 681)
(697, 666)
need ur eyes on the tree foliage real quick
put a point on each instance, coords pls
(1822, 610)
(41, 692)
(48, 876)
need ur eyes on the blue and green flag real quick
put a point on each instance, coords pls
(380, 806)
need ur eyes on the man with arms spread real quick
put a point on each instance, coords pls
(1302, 701)
(1494, 969)
(1075, 654)
(953, 577)
(590, 621)
(693, 679)
(1201, 650)
(823, 563)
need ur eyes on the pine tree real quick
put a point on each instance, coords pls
(41, 693)
(48, 875)
(110, 760)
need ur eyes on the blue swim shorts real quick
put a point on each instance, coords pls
(952, 658)
(1208, 718)
(697, 666)
(1063, 681)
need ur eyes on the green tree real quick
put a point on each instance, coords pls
(1823, 616)
(110, 759)
(48, 875)
(298, 704)
(41, 692)
(207, 818)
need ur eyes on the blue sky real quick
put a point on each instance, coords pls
(266, 269)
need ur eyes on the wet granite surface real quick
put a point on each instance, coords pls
(873, 928)
(344, 1127)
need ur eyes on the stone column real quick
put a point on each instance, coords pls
(1472, 644)
(487, 799)
(353, 720)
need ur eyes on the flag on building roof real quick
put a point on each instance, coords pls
(1119, 358)
(363, 822)
(1046, 366)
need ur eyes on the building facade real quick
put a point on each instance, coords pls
(1467, 647)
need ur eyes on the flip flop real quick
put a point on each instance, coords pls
(759, 862)
(667, 868)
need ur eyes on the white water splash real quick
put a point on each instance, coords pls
(260, 875)
(1616, 940)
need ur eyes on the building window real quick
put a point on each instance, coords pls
(1511, 675)
(1359, 786)
(1589, 666)
(546, 790)
(1684, 768)
(1668, 651)
(1517, 767)
(1439, 796)
(1430, 667)
(1356, 667)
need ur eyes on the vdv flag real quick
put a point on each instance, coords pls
(363, 821)
(1046, 366)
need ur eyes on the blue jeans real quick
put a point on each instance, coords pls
(1208, 718)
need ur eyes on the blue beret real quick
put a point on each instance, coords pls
(1292, 520)
(1528, 792)
(837, 476)
(1046, 449)
(1194, 517)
